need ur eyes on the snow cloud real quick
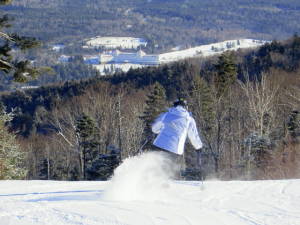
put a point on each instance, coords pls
(146, 177)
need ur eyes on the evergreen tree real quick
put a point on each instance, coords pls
(225, 77)
(203, 107)
(203, 103)
(86, 130)
(226, 73)
(155, 105)
(258, 153)
(21, 69)
(293, 124)
(95, 165)
(295, 52)
(104, 165)
(11, 157)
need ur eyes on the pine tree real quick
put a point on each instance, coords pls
(86, 130)
(104, 165)
(203, 103)
(11, 157)
(224, 78)
(21, 69)
(203, 107)
(226, 73)
(155, 105)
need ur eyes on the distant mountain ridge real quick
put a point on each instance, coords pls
(164, 23)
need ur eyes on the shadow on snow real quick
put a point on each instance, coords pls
(96, 195)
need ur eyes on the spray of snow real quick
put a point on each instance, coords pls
(146, 177)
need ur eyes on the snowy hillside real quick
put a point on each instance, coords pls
(140, 195)
(210, 49)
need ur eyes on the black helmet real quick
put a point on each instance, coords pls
(180, 101)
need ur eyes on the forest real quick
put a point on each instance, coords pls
(246, 105)
(164, 24)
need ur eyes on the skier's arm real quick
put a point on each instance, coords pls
(193, 135)
(158, 123)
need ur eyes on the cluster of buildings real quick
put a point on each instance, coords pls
(116, 57)
(113, 60)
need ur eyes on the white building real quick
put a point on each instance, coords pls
(118, 57)
(116, 42)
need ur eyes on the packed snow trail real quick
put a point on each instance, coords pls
(167, 202)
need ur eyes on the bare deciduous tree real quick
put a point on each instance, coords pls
(261, 98)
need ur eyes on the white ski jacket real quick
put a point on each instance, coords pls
(173, 127)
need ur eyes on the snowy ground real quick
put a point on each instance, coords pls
(158, 201)
(210, 49)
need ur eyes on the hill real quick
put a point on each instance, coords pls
(165, 24)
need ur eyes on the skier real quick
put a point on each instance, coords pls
(173, 127)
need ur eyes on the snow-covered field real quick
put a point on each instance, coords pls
(115, 42)
(210, 49)
(141, 194)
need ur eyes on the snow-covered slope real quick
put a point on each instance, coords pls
(210, 49)
(176, 203)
